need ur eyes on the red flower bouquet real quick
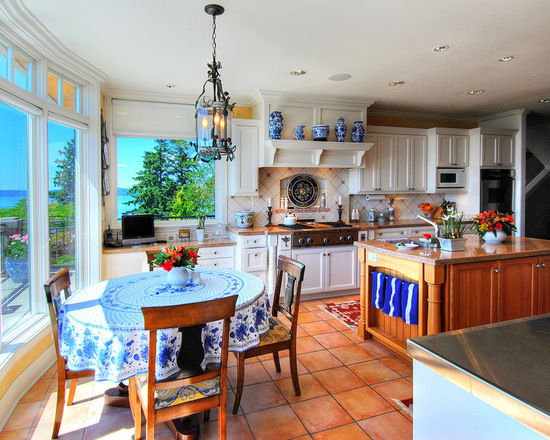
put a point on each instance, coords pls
(493, 221)
(176, 256)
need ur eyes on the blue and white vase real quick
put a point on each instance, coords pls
(177, 277)
(358, 132)
(340, 130)
(275, 125)
(18, 269)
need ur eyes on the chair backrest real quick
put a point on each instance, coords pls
(151, 258)
(57, 289)
(158, 318)
(290, 304)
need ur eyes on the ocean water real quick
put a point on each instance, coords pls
(8, 202)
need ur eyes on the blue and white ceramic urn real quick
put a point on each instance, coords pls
(340, 130)
(275, 125)
(358, 132)
(320, 132)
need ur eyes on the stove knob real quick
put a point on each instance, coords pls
(325, 240)
(350, 238)
(342, 238)
(310, 240)
(301, 241)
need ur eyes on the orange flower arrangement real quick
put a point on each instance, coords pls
(176, 256)
(493, 221)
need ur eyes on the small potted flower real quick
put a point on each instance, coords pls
(451, 231)
(16, 253)
(176, 260)
(494, 226)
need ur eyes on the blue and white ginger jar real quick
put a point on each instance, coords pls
(275, 125)
(340, 130)
(358, 132)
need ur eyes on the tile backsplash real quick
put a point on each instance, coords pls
(406, 206)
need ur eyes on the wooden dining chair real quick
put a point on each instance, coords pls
(168, 399)
(58, 289)
(151, 258)
(279, 337)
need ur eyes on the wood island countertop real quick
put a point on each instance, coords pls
(476, 249)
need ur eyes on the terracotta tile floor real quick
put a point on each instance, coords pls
(347, 389)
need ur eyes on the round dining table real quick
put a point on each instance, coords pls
(101, 326)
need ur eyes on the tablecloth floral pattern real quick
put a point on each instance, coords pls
(101, 327)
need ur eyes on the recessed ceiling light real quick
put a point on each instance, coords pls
(171, 86)
(340, 77)
(396, 83)
(544, 101)
(504, 59)
(476, 92)
(440, 48)
(297, 72)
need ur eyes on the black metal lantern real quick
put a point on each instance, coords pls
(213, 114)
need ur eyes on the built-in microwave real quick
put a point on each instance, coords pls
(451, 178)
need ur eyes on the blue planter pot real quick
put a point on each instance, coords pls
(18, 269)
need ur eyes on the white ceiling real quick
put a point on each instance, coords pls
(143, 45)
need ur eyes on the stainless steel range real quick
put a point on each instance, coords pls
(310, 233)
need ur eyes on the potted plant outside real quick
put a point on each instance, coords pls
(16, 253)
(451, 231)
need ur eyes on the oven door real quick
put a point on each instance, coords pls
(497, 195)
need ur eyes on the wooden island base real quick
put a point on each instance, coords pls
(480, 285)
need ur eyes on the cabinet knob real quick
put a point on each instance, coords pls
(255, 255)
(543, 265)
(215, 252)
(496, 270)
(328, 255)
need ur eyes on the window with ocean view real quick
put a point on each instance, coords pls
(161, 177)
(15, 127)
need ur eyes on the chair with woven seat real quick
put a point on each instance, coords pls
(279, 337)
(177, 397)
(58, 289)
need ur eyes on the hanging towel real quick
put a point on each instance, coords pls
(409, 303)
(378, 286)
(392, 303)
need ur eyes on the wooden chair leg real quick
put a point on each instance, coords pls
(276, 361)
(222, 421)
(135, 406)
(60, 406)
(294, 370)
(72, 391)
(240, 381)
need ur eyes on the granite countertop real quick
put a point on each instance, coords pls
(475, 250)
(152, 247)
(504, 364)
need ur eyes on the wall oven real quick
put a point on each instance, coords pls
(451, 178)
(497, 190)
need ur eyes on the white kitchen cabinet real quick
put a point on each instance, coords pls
(497, 150)
(417, 231)
(252, 255)
(221, 257)
(243, 170)
(377, 176)
(121, 264)
(410, 163)
(391, 233)
(329, 269)
(452, 150)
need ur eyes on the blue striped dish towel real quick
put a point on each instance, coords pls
(378, 287)
(392, 303)
(409, 303)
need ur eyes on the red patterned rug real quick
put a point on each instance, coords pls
(347, 312)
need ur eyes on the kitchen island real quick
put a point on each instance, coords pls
(485, 283)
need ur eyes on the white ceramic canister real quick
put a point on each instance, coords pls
(244, 219)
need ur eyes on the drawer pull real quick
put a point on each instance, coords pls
(215, 252)
(255, 255)
(543, 265)
(496, 270)
(215, 264)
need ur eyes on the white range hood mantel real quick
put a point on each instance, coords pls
(293, 153)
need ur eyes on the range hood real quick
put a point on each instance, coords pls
(303, 154)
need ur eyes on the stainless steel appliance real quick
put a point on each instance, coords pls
(497, 190)
(310, 233)
(451, 178)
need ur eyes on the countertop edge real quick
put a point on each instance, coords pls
(499, 399)
(152, 247)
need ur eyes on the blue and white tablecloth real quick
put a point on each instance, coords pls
(101, 327)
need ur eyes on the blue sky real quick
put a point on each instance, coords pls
(130, 153)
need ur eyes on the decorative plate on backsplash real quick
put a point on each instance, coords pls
(302, 191)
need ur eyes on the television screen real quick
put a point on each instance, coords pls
(138, 229)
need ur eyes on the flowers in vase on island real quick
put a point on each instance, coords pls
(176, 256)
(451, 232)
(490, 223)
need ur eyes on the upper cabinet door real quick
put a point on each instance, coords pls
(402, 163)
(489, 150)
(243, 170)
(385, 166)
(461, 149)
(419, 170)
(452, 150)
(506, 153)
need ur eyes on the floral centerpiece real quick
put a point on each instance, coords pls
(494, 226)
(16, 253)
(176, 260)
(451, 230)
